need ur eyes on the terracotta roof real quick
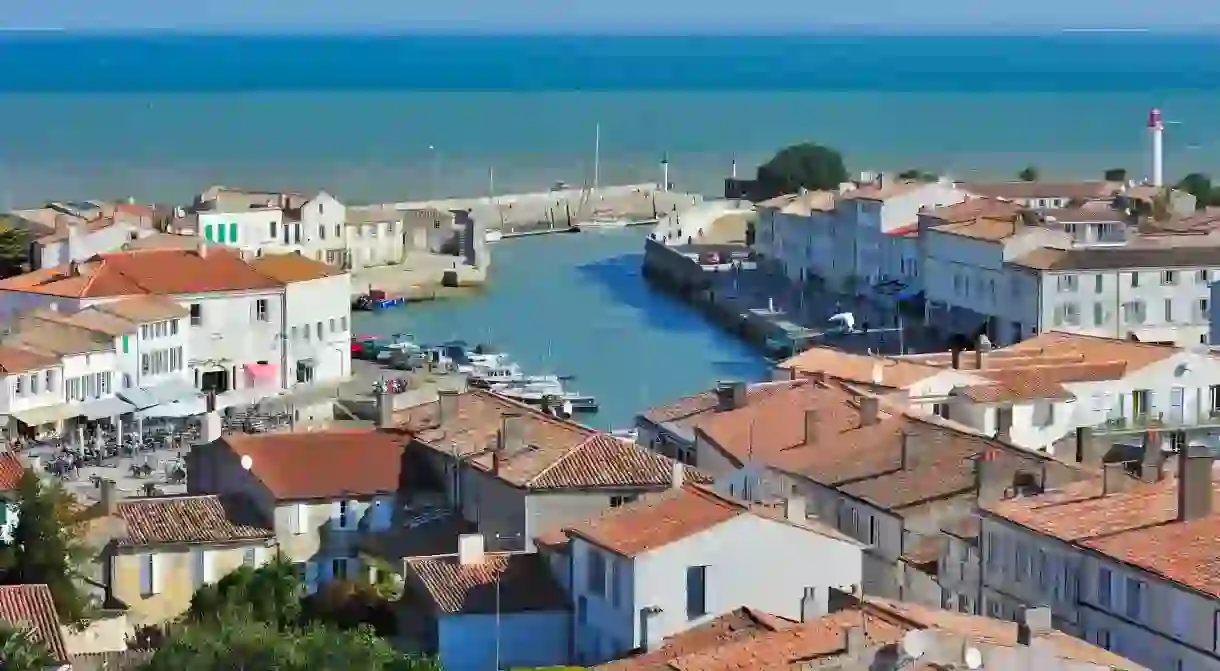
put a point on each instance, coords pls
(323, 464)
(1081, 357)
(1120, 258)
(1027, 384)
(17, 359)
(1085, 214)
(890, 188)
(31, 607)
(525, 583)
(294, 268)
(143, 309)
(145, 272)
(188, 519)
(974, 208)
(990, 229)
(91, 226)
(1025, 190)
(864, 369)
(54, 337)
(803, 203)
(555, 454)
(1138, 527)
(688, 409)
(656, 521)
(11, 470)
(732, 627)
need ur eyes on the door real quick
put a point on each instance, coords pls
(1177, 403)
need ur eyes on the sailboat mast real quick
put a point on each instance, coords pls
(597, 155)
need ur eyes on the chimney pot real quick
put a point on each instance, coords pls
(211, 429)
(855, 640)
(812, 605)
(677, 475)
(73, 269)
(1113, 478)
(956, 355)
(470, 549)
(1035, 622)
(795, 510)
(1194, 482)
(730, 396)
(447, 405)
(1003, 423)
(811, 425)
(869, 406)
(910, 450)
(53, 307)
(110, 499)
(385, 409)
(202, 249)
(1152, 461)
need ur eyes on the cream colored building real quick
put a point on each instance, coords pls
(166, 548)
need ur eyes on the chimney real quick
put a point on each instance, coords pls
(677, 475)
(730, 396)
(211, 426)
(1194, 482)
(811, 425)
(76, 240)
(910, 450)
(1003, 423)
(1035, 622)
(1152, 461)
(855, 640)
(1113, 478)
(957, 358)
(988, 479)
(868, 410)
(110, 499)
(978, 356)
(1088, 449)
(447, 405)
(202, 249)
(73, 269)
(795, 510)
(470, 549)
(385, 408)
(512, 432)
(813, 606)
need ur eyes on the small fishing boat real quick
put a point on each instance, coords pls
(493, 235)
(376, 300)
(550, 393)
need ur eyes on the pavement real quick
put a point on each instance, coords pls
(419, 276)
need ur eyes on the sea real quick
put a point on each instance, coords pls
(384, 118)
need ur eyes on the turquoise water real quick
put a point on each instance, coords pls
(576, 305)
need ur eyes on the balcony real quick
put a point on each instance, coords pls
(1161, 421)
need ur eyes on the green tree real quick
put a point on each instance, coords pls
(46, 548)
(1198, 185)
(236, 642)
(349, 605)
(1115, 175)
(918, 175)
(270, 593)
(20, 651)
(14, 246)
(806, 165)
(1028, 174)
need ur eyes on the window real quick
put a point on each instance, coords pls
(582, 610)
(1213, 393)
(1103, 587)
(1135, 280)
(344, 518)
(34, 383)
(595, 577)
(321, 232)
(127, 380)
(696, 592)
(338, 568)
(148, 574)
(173, 327)
(1201, 276)
(616, 501)
(199, 562)
(232, 232)
(1135, 593)
(343, 323)
(220, 233)
(1169, 310)
(332, 325)
(196, 314)
(146, 332)
(1133, 312)
(50, 380)
(338, 231)
(20, 383)
(207, 232)
(1067, 283)
(299, 518)
(249, 557)
(1169, 277)
(271, 232)
(126, 344)
(1067, 313)
(1099, 314)
(261, 313)
(1103, 638)
(319, 327)
(296, 233)
(1216, 628)
(1099, 283)
(292, 333)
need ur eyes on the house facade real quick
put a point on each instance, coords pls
(316, 328)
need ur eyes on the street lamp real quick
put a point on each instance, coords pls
(500, 537)
(247, 463)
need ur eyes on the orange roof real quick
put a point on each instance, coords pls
(972, 209)
(323, 464)
(1138, 526)
(1081, 358)
(171, 520)
(732, 627)
(11, 470)
(502, 582)
(143, 309)
(145, 272)
(15, 359)
(689, 410)
(864, 369)
(32, 607)
(293, 268)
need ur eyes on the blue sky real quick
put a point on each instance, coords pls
(601, 15)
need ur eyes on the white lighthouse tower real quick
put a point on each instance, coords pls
(1156, 129)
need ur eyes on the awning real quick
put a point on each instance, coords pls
(166, 392)
(138, 398)
(187, 408)
(908, 294)
(262, 372)
(105, 407)
(46, 415)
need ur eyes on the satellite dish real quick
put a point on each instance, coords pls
(915, 643)
(247, 462)
(974, 658)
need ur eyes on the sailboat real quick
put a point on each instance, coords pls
(600, 217)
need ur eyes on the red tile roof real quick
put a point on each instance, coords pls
(293, 268)
(704, 403)
(15, 359)
(732, 627)
(11, 470)
(31, 607)
(188, 519)
(324, 464)
(145, 272)
(524, 582)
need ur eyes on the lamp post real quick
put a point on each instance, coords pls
(247, 463)
(500, 537)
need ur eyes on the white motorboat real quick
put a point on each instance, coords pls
(493, 235)
(549, 391)
(604, 219)
(626, 435)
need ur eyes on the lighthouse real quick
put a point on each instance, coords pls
(1156, 129)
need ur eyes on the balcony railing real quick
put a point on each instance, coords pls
(1161, 421)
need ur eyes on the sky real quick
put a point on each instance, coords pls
(642, 16)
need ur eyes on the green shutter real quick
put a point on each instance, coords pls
(125, 343)
(232, 232)
(207, 232)
(220, 233)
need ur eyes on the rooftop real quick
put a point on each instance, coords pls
(884, 189)
(1026, 190)
(56, 338)
(690, 410)
(11, 470)
(523, 581)
(142, 309)
(188, 519)
(294, 268)
(652, 523)
(990, 228)
(803, 203)
(31, 607)
(1067, 357)
(732, 627)
(145, 272)
(323, 464)
(860, 368)
(1120, 257)
(15, 358)
(974, 208)
(549, 453)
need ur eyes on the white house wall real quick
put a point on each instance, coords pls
(319, 305)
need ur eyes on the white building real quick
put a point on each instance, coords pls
(316, 319)
(1123, 562)
(236, 323)
(659, 566)
(65, 232)
(261, 222)
(1045, 195)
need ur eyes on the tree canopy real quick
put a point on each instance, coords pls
(14, 247)
(806, 165)
(1200, 186)
(918, 175)
(21, 651)
(46, 548)
(1115, 175)
(1028, 174)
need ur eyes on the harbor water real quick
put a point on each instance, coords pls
(577, 305)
